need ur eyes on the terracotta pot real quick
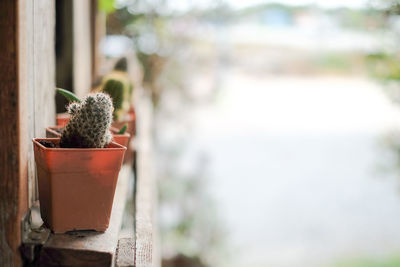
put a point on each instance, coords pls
(130, 122)
(122, 139)
(77, 185)
(62, 119)
(54, 131)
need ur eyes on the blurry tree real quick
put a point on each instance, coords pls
(384, 65)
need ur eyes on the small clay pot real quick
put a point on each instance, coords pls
(62, 119)
(54, 131)
(130, 122)
(77, 185)
(122, 139)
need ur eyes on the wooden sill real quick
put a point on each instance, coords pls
(90, 248)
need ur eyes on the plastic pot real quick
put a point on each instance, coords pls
(122, 139)
(62, 119)
(77, 185)
(54, 131)
(130, 122)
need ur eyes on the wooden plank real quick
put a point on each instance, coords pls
(145, 191)
(23, 82)
(98, 30)
(9, 154)
(43, 80)
(82, 55)
(89, 248)
(125, 253)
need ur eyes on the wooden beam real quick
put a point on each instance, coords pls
(98, 31)
(89, 248)
(82, 55)
(10, 202)
(146, 194)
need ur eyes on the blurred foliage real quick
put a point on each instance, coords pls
(389, 262)
(106, 6)
(384, 65)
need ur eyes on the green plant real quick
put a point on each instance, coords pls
(71, 97)
(123, 129)
(119, 86)
(115, 89)
(89, 126)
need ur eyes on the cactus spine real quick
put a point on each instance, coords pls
(89, 126)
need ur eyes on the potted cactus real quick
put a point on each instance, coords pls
(119, 86)
(123, 112)
(78, 172)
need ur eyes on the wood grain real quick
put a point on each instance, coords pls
(125, 256)
(146, 191)
(82, 55)
(89, 248)
(27, 74)
(9, 154)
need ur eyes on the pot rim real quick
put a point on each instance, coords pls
(36, 142)
(114, 131)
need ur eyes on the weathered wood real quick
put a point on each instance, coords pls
(98, 31)
(9, 154)
(43, 70)
(145, 191)
(82, 62)
(89, 248)
(26, 71)
(125, 253)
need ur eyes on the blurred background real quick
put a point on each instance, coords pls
(275, 127)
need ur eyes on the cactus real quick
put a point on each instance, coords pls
(116, 90)
(89, 126)
(119, 86)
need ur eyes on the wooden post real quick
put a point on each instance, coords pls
(10, 182)
(82, 56)
(27, 105)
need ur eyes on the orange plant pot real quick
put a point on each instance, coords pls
(122, 139)
(77, 185)
(130, 122)
(54, 131)
(62, 119)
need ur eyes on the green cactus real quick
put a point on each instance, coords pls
(119, 86)
(116, 90)
(89, 126)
